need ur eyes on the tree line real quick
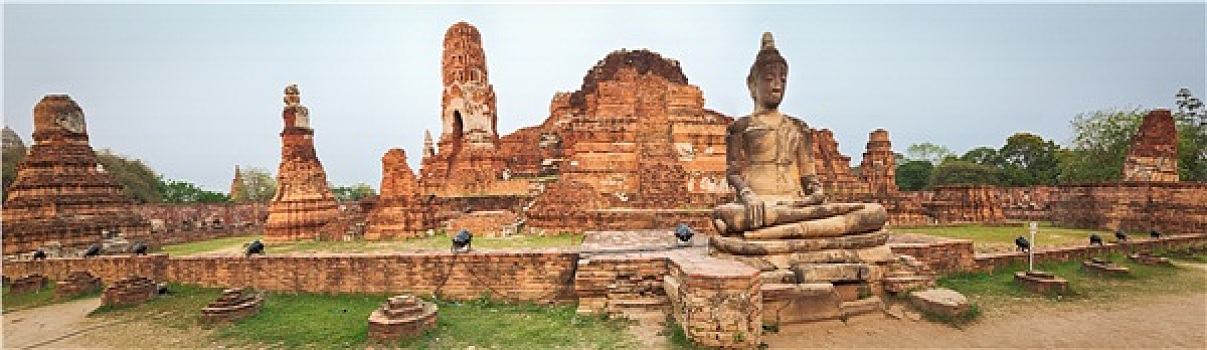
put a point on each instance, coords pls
(1096, 153)
(144, 185)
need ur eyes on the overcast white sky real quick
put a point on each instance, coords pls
(194, 90)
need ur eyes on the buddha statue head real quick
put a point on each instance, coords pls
(768, 78)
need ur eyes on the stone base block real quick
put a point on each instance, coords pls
(1041, 282)
(796, 303)
(864, 306)
(740, 246)
(827, 256)
(940, 301)
(1103, 267)
(1149, 259)
(809, 273)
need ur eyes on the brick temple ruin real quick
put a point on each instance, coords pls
(302, 204)
(61, 195)
(633, 148)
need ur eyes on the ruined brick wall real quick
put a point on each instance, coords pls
(944, 256)
(964, 203)
(488, 223)
(60, 193)
(610, 284)
(1032, 203)
(173, 223)
(834, 168)
(302, 204)
(1153, 154)
(564, 207)
(1170, 207)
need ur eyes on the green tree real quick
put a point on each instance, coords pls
(928, 152)
(983, 156)
(1099, 145)
(1191, 119)
(913, 175)
(955, 171)
(260, 184)
(184, 192)
(352, 193)
(137, 179)
(1028, 160)
(12, 156)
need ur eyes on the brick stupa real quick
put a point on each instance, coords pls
(1153, 154)
(61, 194)
(302, 203)
(879, 166)
(238, 191)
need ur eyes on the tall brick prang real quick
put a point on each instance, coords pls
(302, 203)
(61, 194)
(466, 158)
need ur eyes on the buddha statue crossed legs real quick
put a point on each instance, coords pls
(769, 164)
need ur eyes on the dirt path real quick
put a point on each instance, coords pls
(49, 324)
(1167, 321)
(1163, 321)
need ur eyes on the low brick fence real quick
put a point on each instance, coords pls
(544, 277)
(108, 268)
(990, 262)
(948, 256)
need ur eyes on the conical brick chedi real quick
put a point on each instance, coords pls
(61, 194)
(302, 203)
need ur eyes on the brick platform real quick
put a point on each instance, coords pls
(129, 291)
(233, 304)
(76, 283)
(28, 284)
(402, 316)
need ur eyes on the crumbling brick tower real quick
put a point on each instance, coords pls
(61, 194)
(400, 212)
(302, 204)
(1153, 154)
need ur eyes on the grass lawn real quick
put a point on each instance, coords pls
(234, 245)
(1001, 238)
(192, 248)
(996, 293)
(341, 321)
(13, 302)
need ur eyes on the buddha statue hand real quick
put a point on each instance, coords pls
(755, 209)
(814, 194)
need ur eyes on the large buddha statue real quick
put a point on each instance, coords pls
(817, 260)
(769, 164)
